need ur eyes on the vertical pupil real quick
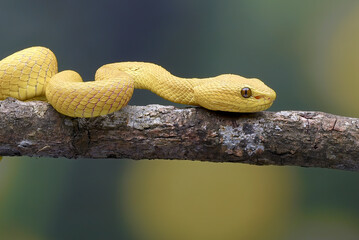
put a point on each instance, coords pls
(246, 92)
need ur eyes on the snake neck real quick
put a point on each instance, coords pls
(158, 80)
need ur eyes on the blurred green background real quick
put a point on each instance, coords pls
(307, 51)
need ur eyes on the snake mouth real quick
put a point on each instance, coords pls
(270, 97)
(266, 102)
(266, 98)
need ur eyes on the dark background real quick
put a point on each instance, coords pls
(306, 50)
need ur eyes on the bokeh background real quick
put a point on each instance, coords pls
(307, 51)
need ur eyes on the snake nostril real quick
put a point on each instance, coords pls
(258, 97)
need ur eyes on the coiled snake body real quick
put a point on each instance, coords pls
(33, 74)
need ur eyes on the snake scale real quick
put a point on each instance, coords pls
(32, 74)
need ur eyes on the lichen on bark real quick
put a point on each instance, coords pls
(300, 138)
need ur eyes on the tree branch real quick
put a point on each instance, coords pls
(309, 139)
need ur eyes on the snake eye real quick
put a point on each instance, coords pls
(246, 92)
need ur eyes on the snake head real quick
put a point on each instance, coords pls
(233, 93)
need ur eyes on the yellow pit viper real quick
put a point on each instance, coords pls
(32, 74)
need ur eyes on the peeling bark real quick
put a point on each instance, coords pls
(308, 139)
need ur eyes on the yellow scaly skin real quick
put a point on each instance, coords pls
(32, 74)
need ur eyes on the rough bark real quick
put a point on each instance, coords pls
(308, 139)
